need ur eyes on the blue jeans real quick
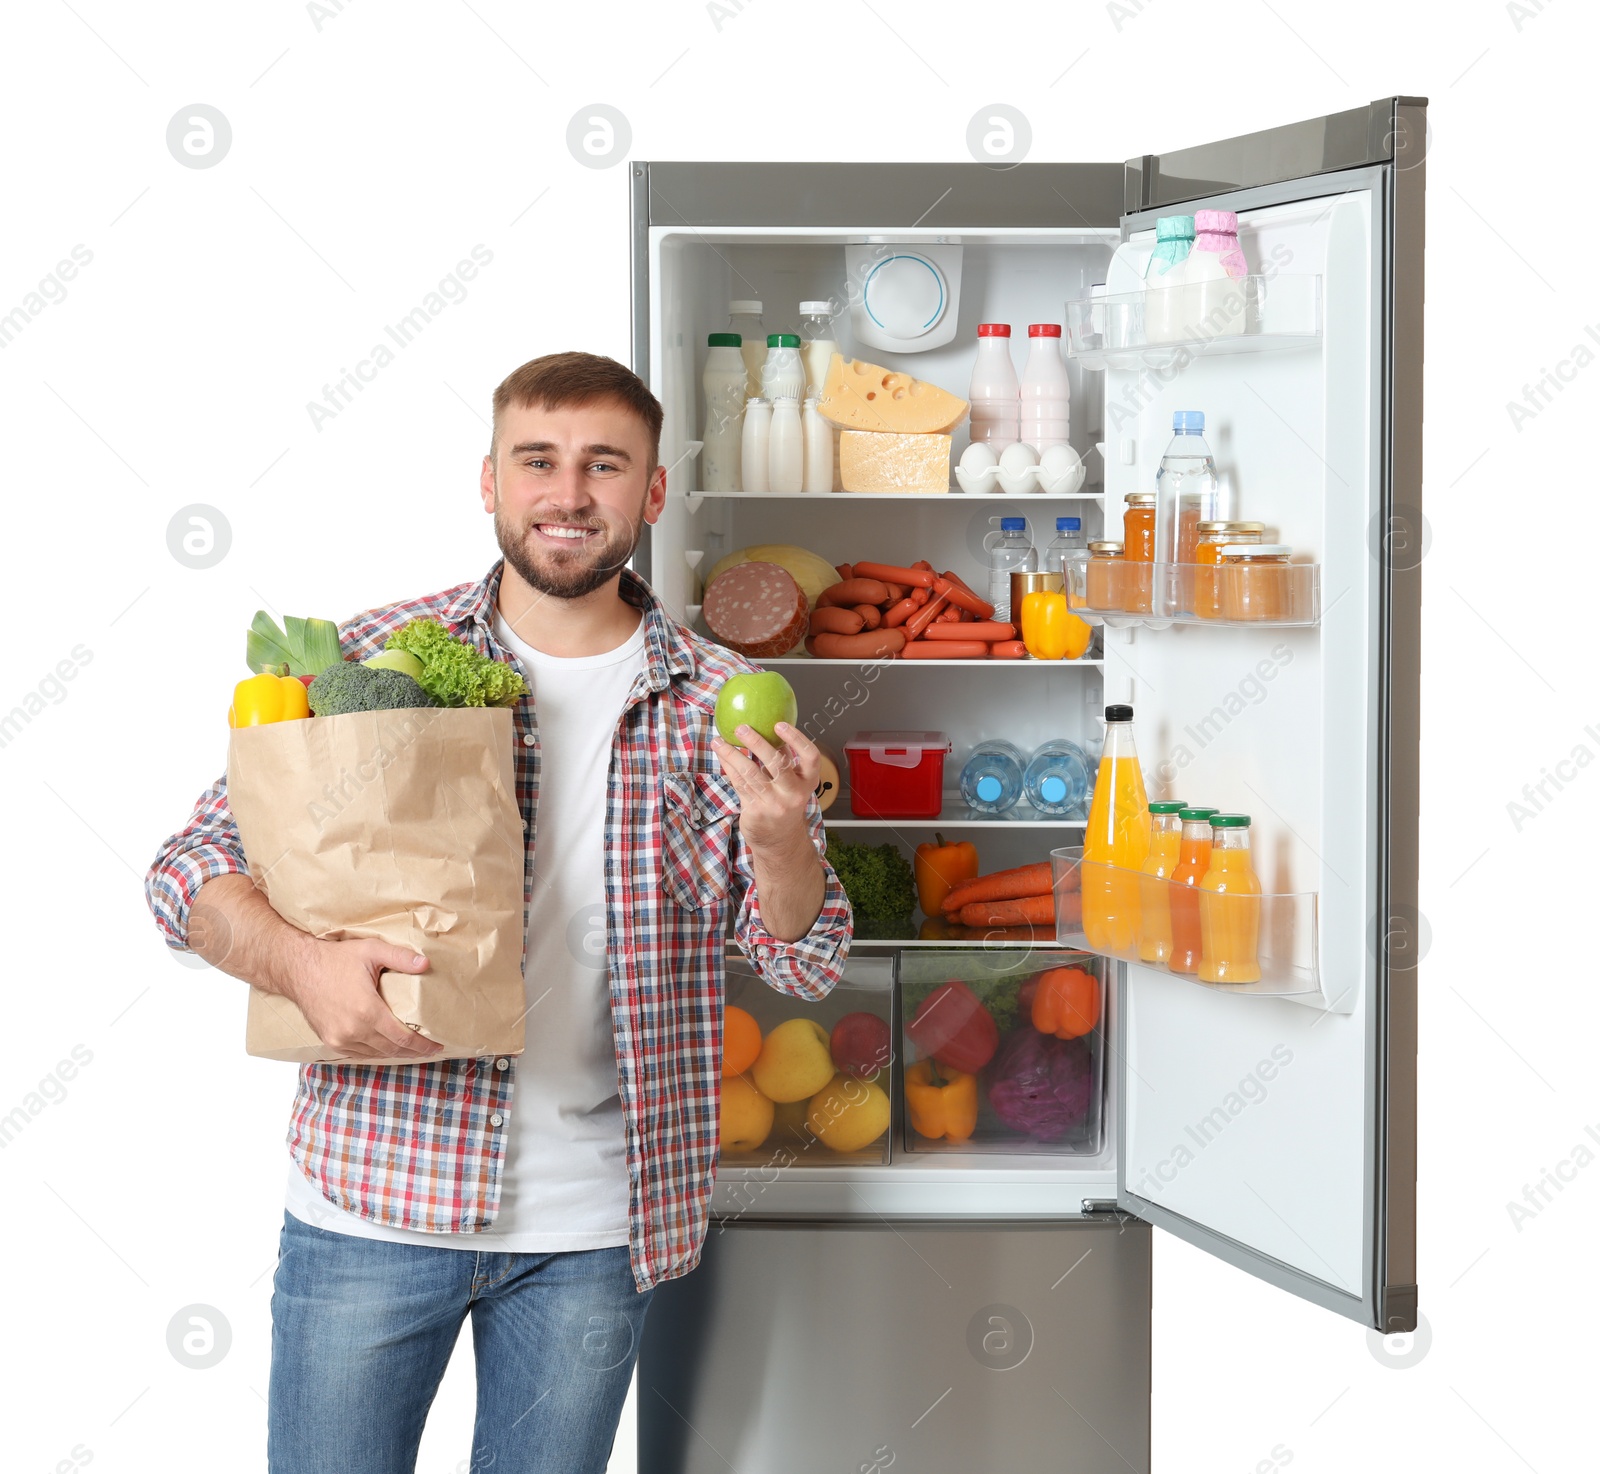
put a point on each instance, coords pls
(362, 1330)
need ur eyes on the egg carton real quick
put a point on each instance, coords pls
(1019, 468)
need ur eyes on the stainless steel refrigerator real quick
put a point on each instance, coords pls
(930, 1303)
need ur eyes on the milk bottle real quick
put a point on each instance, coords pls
(724, 384)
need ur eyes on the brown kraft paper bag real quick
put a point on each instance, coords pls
(402, 825)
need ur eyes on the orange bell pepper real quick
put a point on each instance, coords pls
(1066, 1002)
(941, 1105)
(268, 698)
(1049, 629)
(940, 867)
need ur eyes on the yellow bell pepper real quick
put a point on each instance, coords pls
(268, 698)
(1049, 629)
(941, 1104)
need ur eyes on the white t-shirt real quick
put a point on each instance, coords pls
(564, 1180)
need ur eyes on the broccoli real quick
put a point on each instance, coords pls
(880, 886)
(348, 687)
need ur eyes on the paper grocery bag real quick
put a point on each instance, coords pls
(402, 825)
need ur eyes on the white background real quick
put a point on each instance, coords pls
(370, 152)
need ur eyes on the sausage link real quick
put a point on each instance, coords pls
(831, 621)
(869, 645)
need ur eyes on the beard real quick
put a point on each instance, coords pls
(565, 573)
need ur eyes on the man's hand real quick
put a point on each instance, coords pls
(335, 984)
(774, 786)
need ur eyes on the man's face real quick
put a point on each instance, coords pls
(571, 490)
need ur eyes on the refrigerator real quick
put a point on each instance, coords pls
(929, 1304)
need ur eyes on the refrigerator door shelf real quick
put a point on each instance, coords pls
(1290, 597)
(1269, 314)
(1284, 926)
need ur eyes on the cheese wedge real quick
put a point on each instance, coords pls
(857, 395)
(873, 461)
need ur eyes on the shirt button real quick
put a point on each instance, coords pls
(496, 1119)
(500, 1064)
(527, 739)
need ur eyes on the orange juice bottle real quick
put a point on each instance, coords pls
(1116, 842)
(1230, 905)
(1194, 859)
(1155, 913)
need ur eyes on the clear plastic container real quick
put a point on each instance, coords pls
(1103, 576)
(744, 318)
(1010, 551)
(1058, 778)
(1186, 488)
(991, 778)
(999, 1083)
(896, 775)
(1254, 582)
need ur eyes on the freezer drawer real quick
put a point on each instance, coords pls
(918, 1346)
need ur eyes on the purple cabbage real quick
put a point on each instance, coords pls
(1040, 1085)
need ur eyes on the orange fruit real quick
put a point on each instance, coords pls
(741, 1041)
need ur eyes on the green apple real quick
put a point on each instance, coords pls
(762, 698)
(401, 660)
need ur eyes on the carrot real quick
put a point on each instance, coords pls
(829, 620)
(963, 597)
(1008, 650)
(853, 591)
(989, 632)
(1003, 885)
(1025, 911)
(898, 614)
(843, 570)
(871, 615)
(926, 649)
(890, 573)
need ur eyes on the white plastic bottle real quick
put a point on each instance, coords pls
(1164, 301)
(723, 382)
(783, 376)
(1010, 551)
(817, 435)
(817, 345)
(785, 448)
(995, 389)
(744, 318)
(1045, 415)
(1214, 277)
(753, 444)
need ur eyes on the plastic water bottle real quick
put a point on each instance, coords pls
(1010, 551)
(1186, 488)
(991, 777)
(1069, 541)
(1057, 779)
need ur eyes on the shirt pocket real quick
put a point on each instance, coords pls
(699, 815)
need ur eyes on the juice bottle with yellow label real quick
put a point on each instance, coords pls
(1117, 835)
(1230, 905)
(1183, 895)
(1155, 913)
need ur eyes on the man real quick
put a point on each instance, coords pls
(544, 1195)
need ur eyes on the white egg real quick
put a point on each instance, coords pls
(1016, 468)
(1061, 472)
(975, 469)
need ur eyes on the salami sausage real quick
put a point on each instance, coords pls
(757, 609)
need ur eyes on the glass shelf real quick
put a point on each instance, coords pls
(1088, 493)
(1273, 596)
(1165, 328)
(952, 813)
(793, 662)
(1278, 933)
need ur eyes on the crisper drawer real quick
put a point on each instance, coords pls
(920, 1348)
(808, 1084)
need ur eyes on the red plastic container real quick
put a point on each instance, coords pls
(896, 775)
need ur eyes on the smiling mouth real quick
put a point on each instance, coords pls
(565, 533)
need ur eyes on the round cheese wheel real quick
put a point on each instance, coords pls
(757, 609)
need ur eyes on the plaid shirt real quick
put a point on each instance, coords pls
(422, 1146)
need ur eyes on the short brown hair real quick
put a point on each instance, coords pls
(561, 379)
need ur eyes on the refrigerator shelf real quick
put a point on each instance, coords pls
(1289, 597)
(955, 494)
(1284, 928)
(1275, 314)
(788, 662)
(953, 812)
